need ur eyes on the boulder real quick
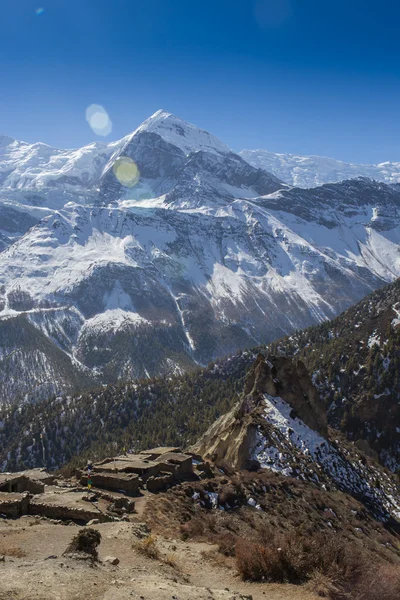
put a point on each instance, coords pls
(111, 560)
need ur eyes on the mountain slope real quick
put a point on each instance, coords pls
(280, 425)
(204, 255)
(357, 383)
(312, 171)
(355, 362)
(172, 410)
(186, 286)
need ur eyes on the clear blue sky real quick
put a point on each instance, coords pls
(300, 76)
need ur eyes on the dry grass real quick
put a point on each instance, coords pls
(218, 559)
(294, 558)
(10, 550)
(201, 526)
(299, 520)
(334, 569)
(148, 547)
(170, 560)
(376, 582)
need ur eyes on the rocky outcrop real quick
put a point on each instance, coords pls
(290, 380)
(234, 435)
(229, 439)
(280, 425)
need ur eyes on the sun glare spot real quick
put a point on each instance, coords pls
(39, 11)
(126, 171)
(98, 119)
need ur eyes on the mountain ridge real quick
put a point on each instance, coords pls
(312, 171)
(202, 255)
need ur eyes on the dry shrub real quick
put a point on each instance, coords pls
(148, 547)
(10, 550)
(193, 529)
(337, 570)
(199, 526)
(85, 543)
(375, 582)
(293, 558)
(226, 543)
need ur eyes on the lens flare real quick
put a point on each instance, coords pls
(98, 119)
(39, 11)
(126, 171)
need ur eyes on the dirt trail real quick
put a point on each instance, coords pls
(34, 568)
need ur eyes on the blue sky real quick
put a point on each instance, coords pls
(286, 75)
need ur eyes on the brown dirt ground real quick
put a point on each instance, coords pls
(34, 568)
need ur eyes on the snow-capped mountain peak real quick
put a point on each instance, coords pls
(180, 133)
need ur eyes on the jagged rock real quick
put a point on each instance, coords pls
(232, 437)
(290, 380)
(229, 439)
(141, 530)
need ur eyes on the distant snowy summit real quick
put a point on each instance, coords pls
(25, 166)
(312, 171)
(36, 166)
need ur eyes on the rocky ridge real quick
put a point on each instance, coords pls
(280, 424)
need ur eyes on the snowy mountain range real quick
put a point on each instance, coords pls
(100, 280)
(311, 171)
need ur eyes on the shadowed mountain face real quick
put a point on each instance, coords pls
(205, 254)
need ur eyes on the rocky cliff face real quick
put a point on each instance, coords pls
(354, 361)
(233, 437)
(280, 424)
